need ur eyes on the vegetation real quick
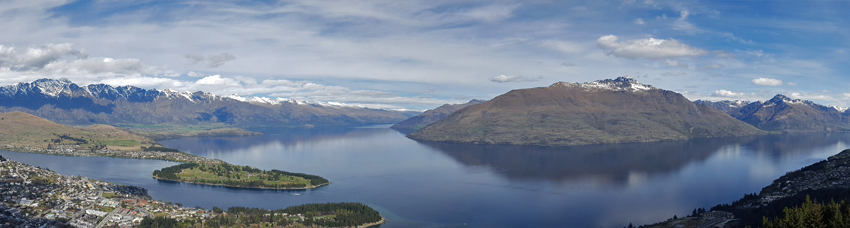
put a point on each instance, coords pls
(180, 130)
(238, 176)
(21, 130)
(323, 215)
(159, 148)
(163, 222)
(813, 214)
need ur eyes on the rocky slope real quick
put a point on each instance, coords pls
(728, 107)
(431, 116)
(606, 111)
(64, 102)
(788, 115)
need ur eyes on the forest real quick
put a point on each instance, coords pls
(238, 176)
(812, 214)
(323, 214)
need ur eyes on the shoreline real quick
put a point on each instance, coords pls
(373, 224)
(258, 188)
(180, 157)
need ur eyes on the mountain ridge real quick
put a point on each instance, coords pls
(606, 111)
(783, 114)
(431, 116)
(62, 101)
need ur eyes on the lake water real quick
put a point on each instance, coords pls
(418, 184)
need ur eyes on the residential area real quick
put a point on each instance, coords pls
(35, 197)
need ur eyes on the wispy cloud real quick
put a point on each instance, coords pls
(649, 48)
(511, 78)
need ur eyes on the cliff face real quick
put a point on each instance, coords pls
(606, 111)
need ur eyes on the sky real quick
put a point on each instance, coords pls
(418, 55)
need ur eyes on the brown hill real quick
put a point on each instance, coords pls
(605, 111)
(19, 129)
(431, 116)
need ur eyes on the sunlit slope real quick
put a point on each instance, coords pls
(19, 129)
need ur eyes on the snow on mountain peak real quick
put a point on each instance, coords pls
(618, 84)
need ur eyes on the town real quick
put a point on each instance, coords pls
(77, 151)
(36, 197)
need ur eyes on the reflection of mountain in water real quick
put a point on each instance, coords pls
(282, 136)
(614, 163)
(778, 145)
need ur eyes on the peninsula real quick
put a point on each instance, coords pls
(223, 174)
(22, 132)
(36, 197)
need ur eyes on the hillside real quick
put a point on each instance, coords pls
(728, 107)
(64, 102)
(606, 111)
(431, 116)
(19, 129)
(793, 115)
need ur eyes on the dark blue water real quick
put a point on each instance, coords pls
(417, 184)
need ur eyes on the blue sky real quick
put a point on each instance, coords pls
(421, 54)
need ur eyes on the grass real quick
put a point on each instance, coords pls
(109, 195)
(122, 143)
(105, 209)
(25, 130)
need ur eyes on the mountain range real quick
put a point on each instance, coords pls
(784, 114)
(431, 116)
(62, 101)
(605, 111)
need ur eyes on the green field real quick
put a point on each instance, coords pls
(238, 176)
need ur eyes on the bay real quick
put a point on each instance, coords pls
(421, 184)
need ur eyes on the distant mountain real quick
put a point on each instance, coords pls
(793, 115)
(606, 111)
(64, 102)
(729, 107)
(431, 116)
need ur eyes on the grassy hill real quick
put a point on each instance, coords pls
(19, 129)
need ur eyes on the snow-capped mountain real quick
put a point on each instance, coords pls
(782, 113)
(618, 84)
(726, 106)
(606, 111)
(62, 101)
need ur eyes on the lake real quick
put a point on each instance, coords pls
(419, 184)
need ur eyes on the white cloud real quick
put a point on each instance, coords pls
(143, 82)
(218, 80)
(649, 48)
(767, 82)
(36, 58)
(671, 62)
(639, 22)
(792, 83)
(512, 78)
(727, 94)
(65, 60)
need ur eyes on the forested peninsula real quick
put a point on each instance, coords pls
(223, 174)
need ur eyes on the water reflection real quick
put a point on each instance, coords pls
(620, 164)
